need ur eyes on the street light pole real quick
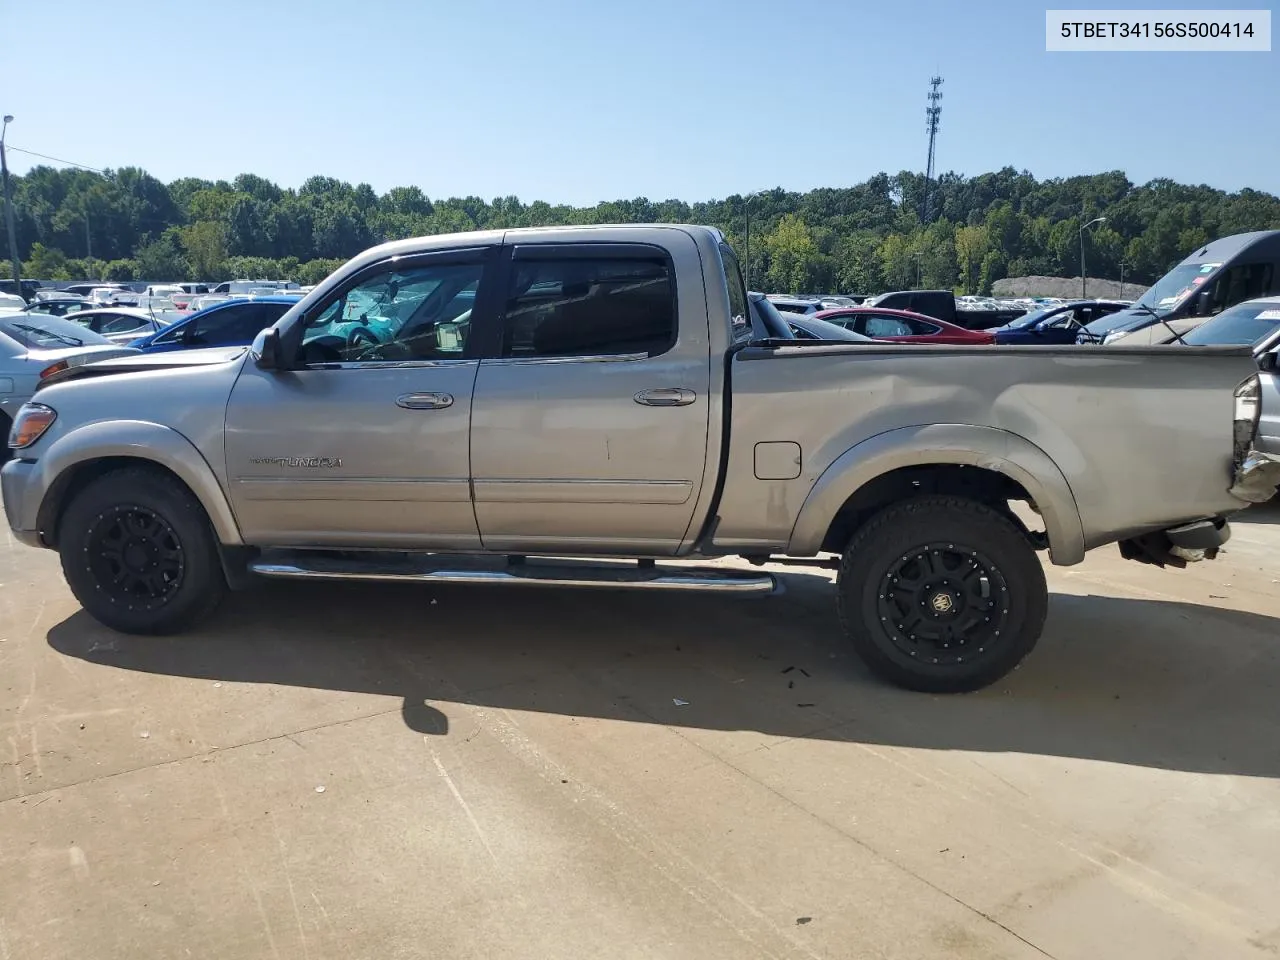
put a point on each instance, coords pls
(8, 211)
(1122, 266)
(1083, 287)
(746, 244)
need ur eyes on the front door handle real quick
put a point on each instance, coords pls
(666, 397)
(424, 401)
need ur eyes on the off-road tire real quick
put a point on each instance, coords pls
(984, 545)
(109, 521)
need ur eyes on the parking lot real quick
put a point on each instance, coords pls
(382, 771)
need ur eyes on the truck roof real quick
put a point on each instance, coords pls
(477, 238)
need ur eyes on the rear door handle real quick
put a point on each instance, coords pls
(424, 401)
(666, 397)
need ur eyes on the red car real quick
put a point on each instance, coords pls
(902, 325)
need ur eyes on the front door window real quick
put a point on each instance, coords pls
(407, 313)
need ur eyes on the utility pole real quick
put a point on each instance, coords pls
(1122, 266)
(8, 211)
(933, 116)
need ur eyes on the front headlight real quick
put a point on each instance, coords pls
(1113, 336)
(29, 425)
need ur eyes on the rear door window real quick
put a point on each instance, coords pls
(582, 306)
(881, 325)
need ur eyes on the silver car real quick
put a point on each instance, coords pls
(121, 325)
(33, 347)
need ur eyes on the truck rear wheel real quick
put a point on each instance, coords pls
(139, 554)
(941, 594)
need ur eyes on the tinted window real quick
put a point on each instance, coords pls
(885, 326)
(588, 306)
(739, 320)
(920, 328)
(232, 326)
(399, 313)
(121, 323)
(1244, 281)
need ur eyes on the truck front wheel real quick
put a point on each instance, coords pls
(941, 594)
(139, 554)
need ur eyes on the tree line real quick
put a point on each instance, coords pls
(127, 225)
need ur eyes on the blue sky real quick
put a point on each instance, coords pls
(576, 102)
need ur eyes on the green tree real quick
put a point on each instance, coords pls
(897, 265)
(120, 270)
(46, 263)
(162, 260)
(971, 244)
(792, 255)
(204, 244)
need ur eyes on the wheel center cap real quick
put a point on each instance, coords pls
(137, 556)
(942, 602)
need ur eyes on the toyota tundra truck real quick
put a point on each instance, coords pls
(599, 407)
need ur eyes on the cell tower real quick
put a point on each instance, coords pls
(933, 115)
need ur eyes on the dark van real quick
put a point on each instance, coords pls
(1220, 275)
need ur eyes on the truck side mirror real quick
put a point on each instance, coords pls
(1203, 303)
(1269, 362)
(267, 352)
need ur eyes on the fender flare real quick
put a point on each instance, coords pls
(945, 443)
(144, 441)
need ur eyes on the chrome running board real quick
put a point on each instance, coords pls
(533, 572)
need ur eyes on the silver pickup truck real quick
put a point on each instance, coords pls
(585, 405)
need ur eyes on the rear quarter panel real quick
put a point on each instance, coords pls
(1142, 438)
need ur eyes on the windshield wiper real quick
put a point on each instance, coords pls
(41, 334)
(1177, 337)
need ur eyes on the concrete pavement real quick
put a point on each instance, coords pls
(376, 771)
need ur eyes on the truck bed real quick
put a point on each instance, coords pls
(1142, 438)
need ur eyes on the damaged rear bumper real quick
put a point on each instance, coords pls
(1257, 477)
(1180, 545)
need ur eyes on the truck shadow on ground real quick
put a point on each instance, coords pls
(1157, 684)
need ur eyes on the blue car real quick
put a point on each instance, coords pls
(1056, 325)
(231, 324)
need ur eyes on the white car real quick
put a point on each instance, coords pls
(11, 302)
(32, 347)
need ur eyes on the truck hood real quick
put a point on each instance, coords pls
(127, 360)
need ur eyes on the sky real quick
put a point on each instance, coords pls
(578, 102)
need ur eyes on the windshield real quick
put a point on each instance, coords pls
(47, 333)
(1031, 319)
(1245, 324)
(1176, 285)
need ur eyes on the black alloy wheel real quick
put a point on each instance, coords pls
(139, 552)
(943, 604)
(941, 594)
(136, 557)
